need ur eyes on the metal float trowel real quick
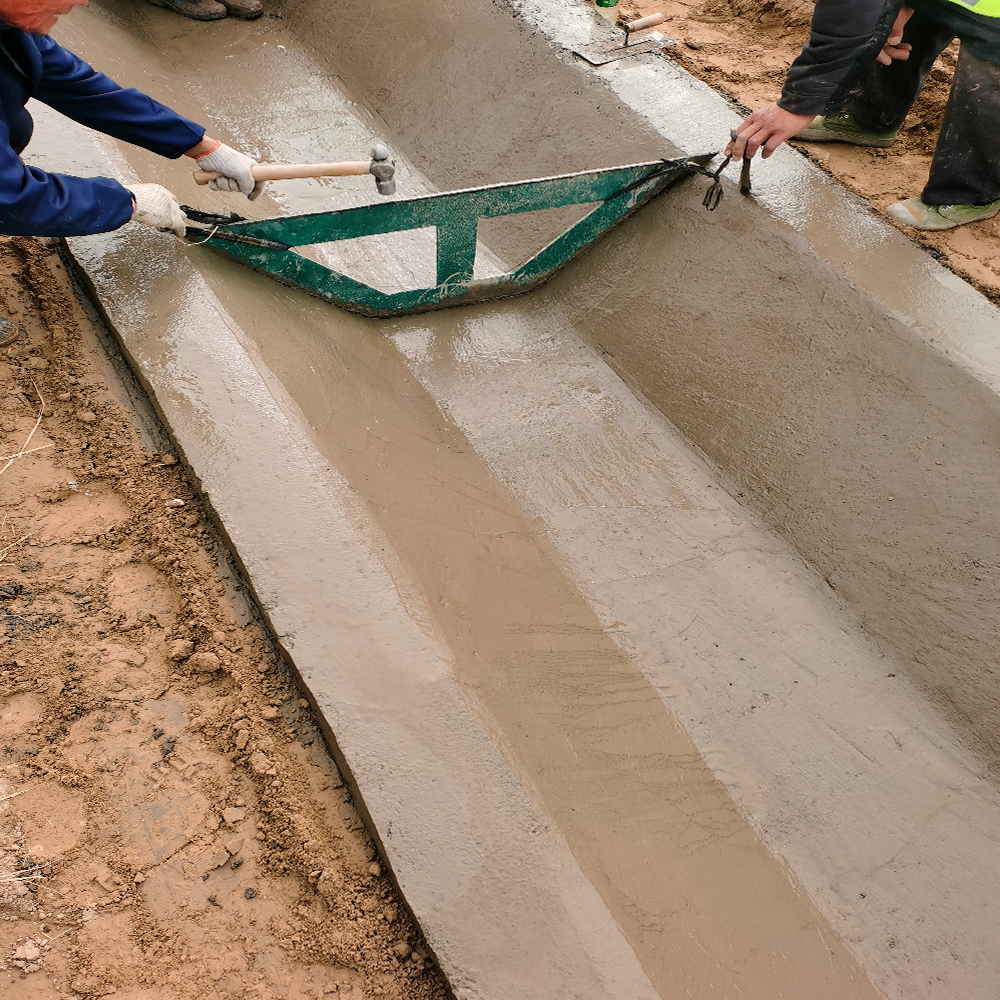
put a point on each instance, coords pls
(648, 41)
(268, 245)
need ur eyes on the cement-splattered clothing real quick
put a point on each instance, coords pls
(847, 35)
(837, 70)
(966, 165)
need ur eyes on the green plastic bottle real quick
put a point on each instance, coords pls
(606, 3)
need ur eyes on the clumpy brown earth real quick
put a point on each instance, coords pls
(743, 48)
(171, 823)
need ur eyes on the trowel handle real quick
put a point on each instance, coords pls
(643, 22)
(292, 171)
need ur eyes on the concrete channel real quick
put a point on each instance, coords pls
(652, 615)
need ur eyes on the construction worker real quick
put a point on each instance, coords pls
(858, 76)
(36, 203)
(213, 10)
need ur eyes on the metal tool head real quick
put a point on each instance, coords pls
(383, 169)
(616, 192)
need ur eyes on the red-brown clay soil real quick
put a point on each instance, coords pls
(742, 48)
(171, 823)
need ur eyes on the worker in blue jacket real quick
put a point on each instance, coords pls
(36, 203)
(858, 76)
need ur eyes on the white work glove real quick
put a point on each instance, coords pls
(235, 169)
(155, 206)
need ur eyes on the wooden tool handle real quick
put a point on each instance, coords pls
(643, 22)
(293, 171)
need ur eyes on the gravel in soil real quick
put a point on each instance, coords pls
(171, 822)
(742, 48)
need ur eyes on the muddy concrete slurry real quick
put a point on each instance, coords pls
(578, 686)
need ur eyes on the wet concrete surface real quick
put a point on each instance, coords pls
(884, 378)
(592, 667)
(858, 426)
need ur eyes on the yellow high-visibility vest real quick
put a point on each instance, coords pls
(987, 8)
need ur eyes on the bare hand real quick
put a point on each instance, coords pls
(894, 47)
(768, 128)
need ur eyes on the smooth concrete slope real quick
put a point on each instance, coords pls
(844, 382)
(491, 882)
(551, 650)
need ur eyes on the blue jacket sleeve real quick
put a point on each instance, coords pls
(79, 92)
(36, 203)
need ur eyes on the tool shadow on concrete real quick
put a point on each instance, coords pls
(587, 698)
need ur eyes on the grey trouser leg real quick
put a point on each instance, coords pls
(966, 165)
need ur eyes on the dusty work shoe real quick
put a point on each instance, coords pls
(197, 10)
(842, 127)
(913, 212)
(246, 9)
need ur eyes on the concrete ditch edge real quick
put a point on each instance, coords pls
(840, 227)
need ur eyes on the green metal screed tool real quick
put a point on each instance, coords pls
(268, 244)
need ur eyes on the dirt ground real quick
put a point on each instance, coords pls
(171, 823)
(743, 48)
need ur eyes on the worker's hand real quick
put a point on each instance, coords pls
(235, 168)
(768, 128)
(894, 47)
(155, 206)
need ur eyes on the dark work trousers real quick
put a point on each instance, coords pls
(966, 165)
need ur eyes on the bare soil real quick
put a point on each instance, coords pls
(171, 823)
(742, 48)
